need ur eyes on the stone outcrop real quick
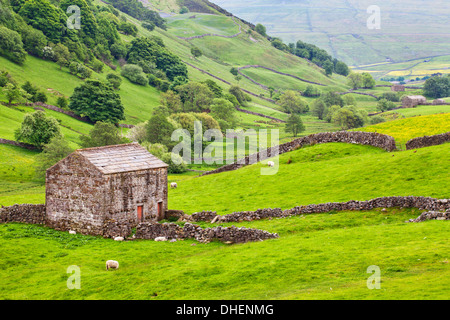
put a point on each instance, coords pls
(428, 141)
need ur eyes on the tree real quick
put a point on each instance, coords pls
(54, 151)
(177, 166)
(261, 30)
(368, 81)
(349, 117)
(33, 40)
(349, 100)
(341, 68)
(328, 67)
(150, 26)
(11, 45)
(234, 71)
(114, 80)
(37, 129)
(319, 109)
(196, 52)
(292, 102)
(159, 129)
(62, 102)
(14, 93)
(184, 10)
(236, 91)
(102, 134)
(138, 133)
(294, 124)
(172, 101)
(355, 80)
(385, 105)
(214, 87)
(196, 96)
(437, 87)
(98, 101)
(225, 113)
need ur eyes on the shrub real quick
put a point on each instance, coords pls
(135, 74)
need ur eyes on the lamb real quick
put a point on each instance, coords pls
(174, 185)
(72, 232)
(271, 164)
(161, 239)
(119, 239)
(112, 264)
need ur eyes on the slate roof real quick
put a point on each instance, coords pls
(121, 158)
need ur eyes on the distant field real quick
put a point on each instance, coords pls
(408, 29)
(405, 129)
(183, 26)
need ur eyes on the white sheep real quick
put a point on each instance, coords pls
(174, 185)
(271, 164)
(72, 232)
(161, 239)
(111, 264)
(119, 239)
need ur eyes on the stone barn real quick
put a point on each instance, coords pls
(398, 88)
(93, 189)
(413, 101)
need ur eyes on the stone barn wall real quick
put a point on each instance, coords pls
(75, 196)
(126, 191)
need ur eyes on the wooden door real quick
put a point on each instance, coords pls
(140, 214)
(160, 213)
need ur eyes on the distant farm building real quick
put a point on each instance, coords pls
(398, 88)
(90, 188)
(438, 102)
(413, 101)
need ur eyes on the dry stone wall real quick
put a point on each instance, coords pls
(190, 231)
(432, 215)
(363, 138)
(422, 203)
(428, 141)
(18, 144)
(24, 213)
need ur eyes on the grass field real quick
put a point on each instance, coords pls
(322, 256)
(184, 26)
(318, 174)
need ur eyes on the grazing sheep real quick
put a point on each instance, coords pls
(271, 164)
(111, 264)
(161, 239)
(119, 239)
(174, 185)
(72, 232)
